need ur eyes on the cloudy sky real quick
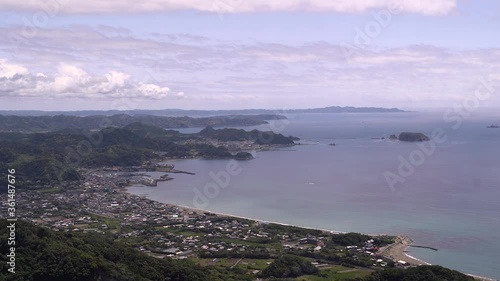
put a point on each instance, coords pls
(220, 54)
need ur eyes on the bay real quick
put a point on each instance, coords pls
(450, 201)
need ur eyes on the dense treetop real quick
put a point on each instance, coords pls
(45, 255)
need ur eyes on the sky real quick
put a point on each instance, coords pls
(236, 54)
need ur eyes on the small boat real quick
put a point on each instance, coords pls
(332, 144)
(493, 127)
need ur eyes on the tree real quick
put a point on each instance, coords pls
(289, 266)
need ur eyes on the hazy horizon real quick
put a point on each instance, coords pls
(481, 110)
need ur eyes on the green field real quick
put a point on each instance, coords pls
(337, 272)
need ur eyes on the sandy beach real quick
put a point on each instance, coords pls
(200, 211)
(396, 251)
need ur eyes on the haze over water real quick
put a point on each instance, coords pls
(450, 202)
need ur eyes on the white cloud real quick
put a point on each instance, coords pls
(72, 81)
(69, 78)
(425, 7)
(152, 90)
(232, 73)
(114, 81)
(8, 70)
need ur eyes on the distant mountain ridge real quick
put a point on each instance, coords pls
(182, 112)
(13, 123)
(347, 109)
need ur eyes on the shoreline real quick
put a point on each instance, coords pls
(187, 208)
(396, 250)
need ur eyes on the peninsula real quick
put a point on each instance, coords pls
(50, 123)
(43, 156)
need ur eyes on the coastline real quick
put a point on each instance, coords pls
(187, 208)
(395, 251)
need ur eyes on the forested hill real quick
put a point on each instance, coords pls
(260, 137)
(44, 255)
(11, 123)
(47, 158)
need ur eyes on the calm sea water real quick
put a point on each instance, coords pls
(450, 202)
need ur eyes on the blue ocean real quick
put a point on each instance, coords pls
(444, 194)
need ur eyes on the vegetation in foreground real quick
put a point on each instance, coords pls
(289, 266)
(43, 254)
(420, 273)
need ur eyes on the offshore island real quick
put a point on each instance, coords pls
(75, 212)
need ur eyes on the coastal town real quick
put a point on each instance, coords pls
(95, 201)
(101, 204)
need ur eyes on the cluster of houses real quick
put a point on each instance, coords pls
(162, 229)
